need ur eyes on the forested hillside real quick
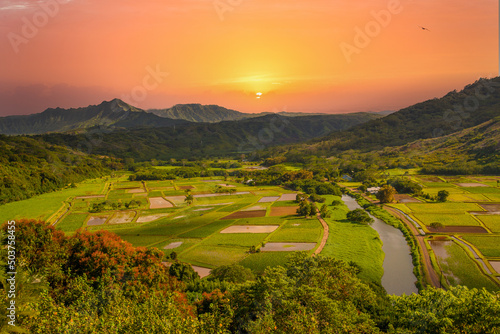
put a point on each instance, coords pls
(111, 115)
(475, 104)
(214, 139)
(30, 167)
(200, 113)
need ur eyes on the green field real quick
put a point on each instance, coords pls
(354, 242)
(447, 219)
(492, 222)
(298, 230)
(260, 261)
(483, 190)
(488, 245)
(196, 226)
(207, 230)
(72, 222)
(235, 239)
(441, 208)
(213, 256)
(463, 270)
(44, 206)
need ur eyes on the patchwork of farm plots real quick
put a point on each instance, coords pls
(469, 223)
(223, 223)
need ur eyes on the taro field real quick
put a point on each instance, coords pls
(225, 223)
(463, 233)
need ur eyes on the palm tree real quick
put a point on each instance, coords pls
(189, 198)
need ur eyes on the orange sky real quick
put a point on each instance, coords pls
(87, 51)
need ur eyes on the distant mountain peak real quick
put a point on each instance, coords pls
(110, 114)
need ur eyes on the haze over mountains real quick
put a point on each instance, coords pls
(111, 114)
(116, 114)
(465, 124)
(129, 132)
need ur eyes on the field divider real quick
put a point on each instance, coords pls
(462, 243)
(483, 225)
(56, 214)
(159, 242)
(443, 281)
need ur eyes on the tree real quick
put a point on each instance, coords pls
(304, 209)
(183, 271)
(336, 202)
(455, 310)
(386, 194)
(189, 199)
(317, 198)
(232, 273)
(301, 197)
(359, 216)
(313, 209)
(436, 225)
(442, 196)
(325, 213)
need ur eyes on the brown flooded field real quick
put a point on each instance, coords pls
(159, 203)
(283, 211)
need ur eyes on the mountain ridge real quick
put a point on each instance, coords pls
(475, 104)
(111, 114)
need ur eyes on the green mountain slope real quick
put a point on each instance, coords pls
(30, 167)
(214, 139)
(114, 114)
(475, 104)
(475, 150)
(199, 113)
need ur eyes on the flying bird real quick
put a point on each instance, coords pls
(423, 28)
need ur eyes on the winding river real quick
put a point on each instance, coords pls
(398, 275)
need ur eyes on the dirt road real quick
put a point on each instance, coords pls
(326, 230)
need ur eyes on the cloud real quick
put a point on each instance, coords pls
(8, 5)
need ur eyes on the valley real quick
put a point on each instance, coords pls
(228, 222)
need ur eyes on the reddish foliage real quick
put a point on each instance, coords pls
(43, 248)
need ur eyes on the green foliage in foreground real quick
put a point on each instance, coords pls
(96, 283)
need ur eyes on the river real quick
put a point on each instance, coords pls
(398, 275)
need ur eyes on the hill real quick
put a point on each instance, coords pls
(475, 150)
(199, 113)
(475, 104)
(30, 167)
(214, 139)
(213, 113)
(114, 114)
